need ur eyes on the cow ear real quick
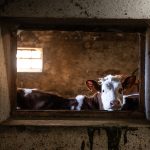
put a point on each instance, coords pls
(129, 81)
(93, 86)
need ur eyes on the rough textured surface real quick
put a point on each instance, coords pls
(74, 138)
(135, 9)
(71, 58)
(135, 139)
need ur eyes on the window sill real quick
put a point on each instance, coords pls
(78, 123)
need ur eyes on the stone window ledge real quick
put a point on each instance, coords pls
(77, 123)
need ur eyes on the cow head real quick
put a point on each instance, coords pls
(111, 92)
(112, 89)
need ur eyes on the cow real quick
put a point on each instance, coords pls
(33, 99)
(112, 92)
(91, 102)
(107, 94)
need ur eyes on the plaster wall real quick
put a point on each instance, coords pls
(72, 57)
(74, 138)
(133, 9)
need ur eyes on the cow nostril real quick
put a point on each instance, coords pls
(116, 102)
(111, 103)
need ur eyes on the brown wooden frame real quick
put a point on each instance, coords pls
(10, 27)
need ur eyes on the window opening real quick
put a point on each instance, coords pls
(71, 58)
(29, 59)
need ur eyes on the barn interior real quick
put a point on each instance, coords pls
(119, 45)
(72, 57)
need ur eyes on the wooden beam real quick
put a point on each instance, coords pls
(4, 85)
(147, 75)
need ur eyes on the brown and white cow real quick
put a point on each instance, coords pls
(114, 92)
(106, 96)
(91, 102)
(33, 99)
(110, 93)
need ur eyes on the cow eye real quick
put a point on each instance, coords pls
(103, 91)
(120, 90)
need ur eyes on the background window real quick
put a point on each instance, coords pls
(29, 59)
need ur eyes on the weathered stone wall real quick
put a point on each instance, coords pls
(71, 58)
(129, 9)
(74, 138)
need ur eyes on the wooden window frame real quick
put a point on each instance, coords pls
(69, 24)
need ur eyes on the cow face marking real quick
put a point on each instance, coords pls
(27, 91)
(80, 99)
(111, 93)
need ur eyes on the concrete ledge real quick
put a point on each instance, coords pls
(77, 123)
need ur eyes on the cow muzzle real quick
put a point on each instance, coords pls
(115, 105)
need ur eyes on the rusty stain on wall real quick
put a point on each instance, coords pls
(83, 145)
(114, 134)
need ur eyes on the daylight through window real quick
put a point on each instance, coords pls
(29, 59)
